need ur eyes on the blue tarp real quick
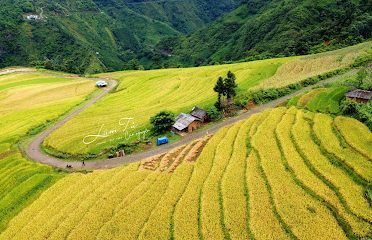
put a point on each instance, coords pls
(162, 140)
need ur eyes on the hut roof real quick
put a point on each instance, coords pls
(199, 113)
(183, 121)
(360, 94)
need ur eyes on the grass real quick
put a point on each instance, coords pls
(304, 99)
(265, 177)
(142, 94)
(28, 103)
(327, 101)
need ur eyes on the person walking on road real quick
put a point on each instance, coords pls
(83, 163)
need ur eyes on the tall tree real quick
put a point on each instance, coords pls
(219, 88)
(230, 86)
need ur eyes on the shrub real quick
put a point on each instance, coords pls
(348, 107)
(214, 114)
(359, 111)
(162, 122)
(364, 114)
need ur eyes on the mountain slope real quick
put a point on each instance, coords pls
(94, 35)
(261, 29)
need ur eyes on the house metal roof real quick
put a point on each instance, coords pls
(183, 121)
(198, 113)
(360, 94)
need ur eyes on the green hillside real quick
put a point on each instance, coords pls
(94, 35)
(264, 29)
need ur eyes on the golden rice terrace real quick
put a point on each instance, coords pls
(281, 174)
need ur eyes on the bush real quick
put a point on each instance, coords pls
(348, 107)
(241, 102)
(214, 114)
(162, 122)
(359, 111)
(267, 95)
(364, 114)
(127, 147)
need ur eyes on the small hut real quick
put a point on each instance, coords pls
(359, 95)
(199, 114)
(186, 123)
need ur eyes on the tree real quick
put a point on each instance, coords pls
(219, 88)
(133, 64)
(230, 86)
(162, 122)
(225, 87)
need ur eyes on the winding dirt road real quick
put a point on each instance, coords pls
(34, 152)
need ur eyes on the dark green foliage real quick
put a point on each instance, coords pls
(348, 107)
(96, 35)
(230, 85)
(364, 79)
(266, 29)
(214, 114)
(162, 122)
(133, 64)
(219, 88)
(359, 111)
(38, 128)
(225, 87)
(127, 147)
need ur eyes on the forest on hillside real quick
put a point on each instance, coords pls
(106, 35)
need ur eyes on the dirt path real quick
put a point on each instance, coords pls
(34, 152)
(15, 69)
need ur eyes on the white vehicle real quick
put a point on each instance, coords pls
(101, 84)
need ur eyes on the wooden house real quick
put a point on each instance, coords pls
(199, 114)
(186, 123)
(359, 95)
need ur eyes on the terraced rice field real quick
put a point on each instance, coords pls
(323, 100)
(142, 94)
(327, 101)
(28, 101)
(281, 174)
(312, 65)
